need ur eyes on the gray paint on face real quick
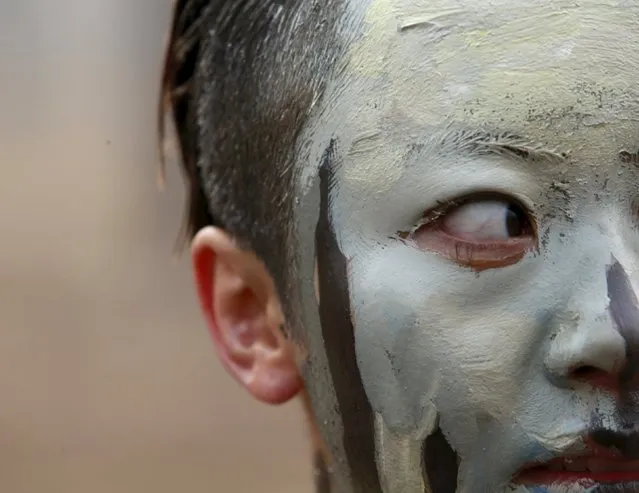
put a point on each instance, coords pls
(418, 322)
(314, 364)
(584, 342)
(480, 343)
(386, 320)
(480, 471)
(624, 310)
(399, 460)
(402, 421)
(353, 406)
(468, 347)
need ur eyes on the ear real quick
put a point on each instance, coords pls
(244, 316)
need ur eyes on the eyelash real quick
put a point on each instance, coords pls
(445, 207)
(442, 209)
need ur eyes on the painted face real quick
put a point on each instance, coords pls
(477, 246)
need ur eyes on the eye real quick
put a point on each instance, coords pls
(487, 221)
(481, 234)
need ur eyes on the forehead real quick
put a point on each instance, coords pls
(560, 73)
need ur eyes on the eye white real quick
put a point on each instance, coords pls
(485, 221)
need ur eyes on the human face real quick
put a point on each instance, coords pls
(480, 206)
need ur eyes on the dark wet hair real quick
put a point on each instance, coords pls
(240, 80)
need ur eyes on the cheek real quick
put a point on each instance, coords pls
(431, 336)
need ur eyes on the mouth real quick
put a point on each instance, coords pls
(588, 470)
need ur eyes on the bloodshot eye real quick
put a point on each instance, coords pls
(481, 234)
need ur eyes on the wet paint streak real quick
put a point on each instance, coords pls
(624, 309)
(322, 479)
(339, 340)
(441, 463)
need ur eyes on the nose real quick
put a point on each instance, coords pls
(591, 351)
(601, 350)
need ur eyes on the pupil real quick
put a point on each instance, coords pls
(515, 221)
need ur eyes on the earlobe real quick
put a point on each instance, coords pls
(237, 296)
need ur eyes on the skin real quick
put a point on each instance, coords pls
(525, 349)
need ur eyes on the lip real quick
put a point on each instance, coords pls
(587, 470)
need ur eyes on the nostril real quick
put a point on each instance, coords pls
(586, 372)
(593, 376)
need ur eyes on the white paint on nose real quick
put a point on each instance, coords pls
(581, 342)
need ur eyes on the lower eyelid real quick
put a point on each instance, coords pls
(479, 256)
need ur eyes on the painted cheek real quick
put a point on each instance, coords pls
(411, 329)
(378, 328)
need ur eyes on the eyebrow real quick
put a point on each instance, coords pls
(502, 144)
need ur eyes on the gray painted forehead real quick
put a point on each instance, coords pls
(517, 66)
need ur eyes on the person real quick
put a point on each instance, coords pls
(421, 216)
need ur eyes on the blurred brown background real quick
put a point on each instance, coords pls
(108, 381)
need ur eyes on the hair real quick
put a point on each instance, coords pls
(240, 80)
